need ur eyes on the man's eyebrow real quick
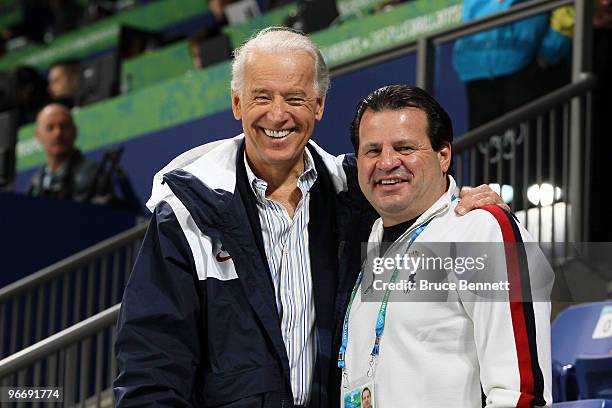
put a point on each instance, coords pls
(405, 142)
(371, 145)
(296, 92)
(260, 91)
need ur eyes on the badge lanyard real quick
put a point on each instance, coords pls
(382, 311)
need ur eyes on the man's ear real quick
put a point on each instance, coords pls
(320, 108)
(236, 105)
(444, 156)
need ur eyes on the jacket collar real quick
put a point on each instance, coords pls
(214, 164)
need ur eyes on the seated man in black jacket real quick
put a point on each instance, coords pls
(67, 173)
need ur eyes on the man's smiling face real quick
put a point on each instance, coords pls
(399, 172)
(278, 107)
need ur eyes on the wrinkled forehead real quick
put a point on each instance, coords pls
(390, 126)
(406, 117)
(269, 64)
(286, 51)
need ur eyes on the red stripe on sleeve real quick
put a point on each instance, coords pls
(516, 306)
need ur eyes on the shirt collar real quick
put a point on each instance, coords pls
(305, 181)
(60, 171)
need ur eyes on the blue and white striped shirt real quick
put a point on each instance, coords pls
(286, 245)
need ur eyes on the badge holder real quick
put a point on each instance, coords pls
(360, 393)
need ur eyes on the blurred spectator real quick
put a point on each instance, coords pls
(68, 174)
(194, 44)
(506, 67)
(209, 46)
(64, 80)
(31, 93)
(217, 8)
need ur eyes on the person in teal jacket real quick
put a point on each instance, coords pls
(506, 67)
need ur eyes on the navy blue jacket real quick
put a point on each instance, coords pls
(198, 324)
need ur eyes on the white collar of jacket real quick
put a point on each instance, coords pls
(215, 165)
(441, 207)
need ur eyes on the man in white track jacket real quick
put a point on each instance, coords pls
(462, 349)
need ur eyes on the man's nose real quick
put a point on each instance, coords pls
(278, 112)
(57, 132)
(388, 160)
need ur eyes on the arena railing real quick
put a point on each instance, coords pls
(78, 361)
(526, 152)
(67, 292)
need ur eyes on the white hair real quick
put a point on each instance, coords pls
(278, 40)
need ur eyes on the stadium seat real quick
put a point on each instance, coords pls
(599, 403)
(582, 336)
(594, 376)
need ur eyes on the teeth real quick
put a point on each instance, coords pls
(277, 133)
(390, 181)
